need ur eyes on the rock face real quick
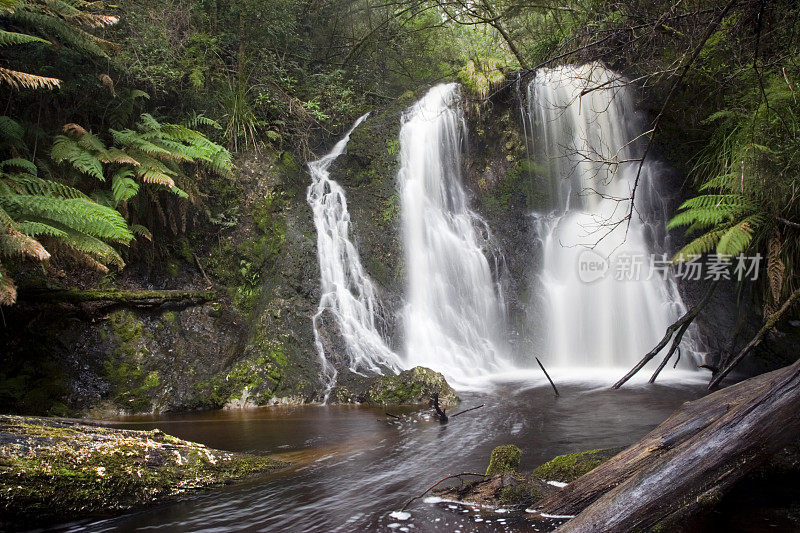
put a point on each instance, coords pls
(58, 470)
(410, 387)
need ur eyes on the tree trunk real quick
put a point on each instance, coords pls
(689, 461)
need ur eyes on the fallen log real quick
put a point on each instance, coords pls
(688, 462)
(75, 296)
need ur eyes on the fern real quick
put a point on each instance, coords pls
(67, 149)
(19, 163)
(737, 238)
(123, 186)
(95, 248)
(10, 130)
(32, 229)
(8, 38)
(14, 243)
(78, 214)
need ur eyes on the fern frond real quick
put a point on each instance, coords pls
(95, 248)
(141, 231)
(77, 214)
(202, 120)
(731, 182)
(67, 149)
(776, 268)
(8, 291)
(5, 219)
(46, 20)
(123, 186)
(10, 129)
(32, 229)
(9, 38)
(737, 238)
(115, 155)
(701, 245)
(20, 163)
(23, 80)
(151, 170)
(132, 139)
(15, 243)
(41, 187)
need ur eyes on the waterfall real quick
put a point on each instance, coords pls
(587, 138)
(454, 315)
(348, 295)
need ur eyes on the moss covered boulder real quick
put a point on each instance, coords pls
(505, 458)
(410, 387)
(58, 470)
(415, 386)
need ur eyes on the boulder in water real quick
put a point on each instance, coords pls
(410, 387)
(504, 458)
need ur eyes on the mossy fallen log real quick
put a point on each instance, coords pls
(55, 470)
(689, 462)
(153, 297)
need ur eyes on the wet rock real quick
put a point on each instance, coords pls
(58, 470)
(504, 458)
(410, 387)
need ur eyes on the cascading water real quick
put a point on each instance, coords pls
(454, 316)
(347, 292)
(587, 141)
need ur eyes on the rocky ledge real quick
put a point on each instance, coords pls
(60, 470)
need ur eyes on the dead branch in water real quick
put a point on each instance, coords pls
(548, 377)
(468, 410)
(768, 325)
(440, 413)
(452, 476)
(679, 326)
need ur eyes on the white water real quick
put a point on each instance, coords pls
(588, 144)
(348, 295)
(454, 315)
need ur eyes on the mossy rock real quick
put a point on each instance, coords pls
(411, 387)
(56, 469)
(505, 458)
(568, 468)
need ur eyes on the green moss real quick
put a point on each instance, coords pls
(391, 209)
(392, 146)
(80, 470)
(168, 317)
(132, 384)
(505, 458)
(479, 76)
(415, 386)
(567, 468)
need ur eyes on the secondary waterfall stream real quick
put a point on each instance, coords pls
(604, 308)
(348, 294)
(454, 316)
